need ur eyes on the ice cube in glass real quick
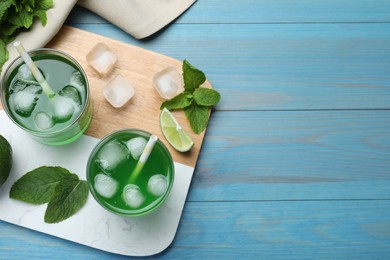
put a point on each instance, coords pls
(101, 58)
(105, 185)
(118, 92)
(133, 196)
(168, 83)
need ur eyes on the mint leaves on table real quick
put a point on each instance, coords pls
(62, 190)
(195, 100)
(17, 16)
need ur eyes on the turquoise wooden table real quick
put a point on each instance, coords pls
(296, 159)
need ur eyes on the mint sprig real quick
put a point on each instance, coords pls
(195, 100)
(62, 190)
(17, 16)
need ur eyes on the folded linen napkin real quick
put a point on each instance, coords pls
(140, 18)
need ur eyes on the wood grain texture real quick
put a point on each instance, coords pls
(282, 66)
(270, 11)
(294, 155)
(245, 230)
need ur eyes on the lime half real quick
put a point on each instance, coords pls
(173, 132)
(5, 159)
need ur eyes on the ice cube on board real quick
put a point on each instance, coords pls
(168, 83)
(111, 155)
(105, 185)
(133, 196)
(157, 185)
(118, 92)
(136, 146)
(101, 58)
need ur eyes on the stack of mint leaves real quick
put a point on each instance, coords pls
(62, 190)
(195, 100)
(17, 16)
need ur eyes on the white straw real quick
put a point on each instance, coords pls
(148, 149)
(34, 69)
(144, 157)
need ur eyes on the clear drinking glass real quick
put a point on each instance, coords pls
(112, 179)
(45, 123)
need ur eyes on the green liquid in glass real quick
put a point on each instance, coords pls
(159, 162)
(57, 69)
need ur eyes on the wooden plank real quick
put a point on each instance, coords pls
(268, 11)
(296, 155)
(249, 230)
(282, 67)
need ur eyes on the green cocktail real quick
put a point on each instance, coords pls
(114, 181)
(54, 120)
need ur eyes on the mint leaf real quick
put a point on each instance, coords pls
(180, 101)
(70, 195)
(206, 97)
(3, 53)
(4, 5)
(193, 77)
(198, 116)
(44, 4)
(38, 186)
(17, 16)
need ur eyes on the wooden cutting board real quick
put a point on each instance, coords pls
(138, 66)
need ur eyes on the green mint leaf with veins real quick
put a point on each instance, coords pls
(3, 53)
(206, 97)
(38, 186)
(192, 77)
(62, 190)
(198, 116)
(70, 195)
(178, 102)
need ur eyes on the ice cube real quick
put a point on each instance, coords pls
(136, 146)
(76, 80)
(168, 83)
(101, 58)
(21, 84)
(112, 155)
(24, 72)
(43, 120)
(133, 196)
(24, 101)
(118, 92)
(63, 108)
(105, 185)
(157, 185)
(72, 93)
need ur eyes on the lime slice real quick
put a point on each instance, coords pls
(173, 132)
(5, 159)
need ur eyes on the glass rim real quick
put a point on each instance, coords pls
(136, 212)
(15, 63)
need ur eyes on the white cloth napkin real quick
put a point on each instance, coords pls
(140, 18)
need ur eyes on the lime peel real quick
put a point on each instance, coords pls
(174, 133)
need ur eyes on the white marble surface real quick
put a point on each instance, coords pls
(92, 225)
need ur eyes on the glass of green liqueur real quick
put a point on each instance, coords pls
(54, 117)
(130, 172)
